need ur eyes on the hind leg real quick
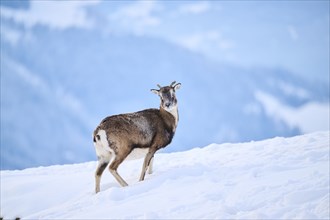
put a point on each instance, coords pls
(119, 158)
(103, 155)
(98, 173)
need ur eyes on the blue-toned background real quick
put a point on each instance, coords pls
(249, 71)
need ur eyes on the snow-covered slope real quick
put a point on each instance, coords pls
(276, 178)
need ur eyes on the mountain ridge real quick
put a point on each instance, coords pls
(56, 85)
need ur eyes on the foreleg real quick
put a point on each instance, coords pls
(146, 163)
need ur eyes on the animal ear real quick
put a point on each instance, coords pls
(177, 86)
(155, 91)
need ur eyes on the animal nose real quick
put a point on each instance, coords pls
(167, 104)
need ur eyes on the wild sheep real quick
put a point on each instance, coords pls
(120, 136)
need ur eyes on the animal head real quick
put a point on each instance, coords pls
(167, 95)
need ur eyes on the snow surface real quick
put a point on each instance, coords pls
(279, 178)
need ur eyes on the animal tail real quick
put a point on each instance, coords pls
(96, 137)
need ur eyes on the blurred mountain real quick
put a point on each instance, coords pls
(58, 84)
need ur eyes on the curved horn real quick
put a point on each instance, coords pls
(159, 86)
(172, 84)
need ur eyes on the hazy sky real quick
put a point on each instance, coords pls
(287, 34)
(284, 34)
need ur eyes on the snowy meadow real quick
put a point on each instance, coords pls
(278, 178)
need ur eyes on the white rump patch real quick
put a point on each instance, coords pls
(102, 147)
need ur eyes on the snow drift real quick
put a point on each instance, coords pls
(276, 178)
